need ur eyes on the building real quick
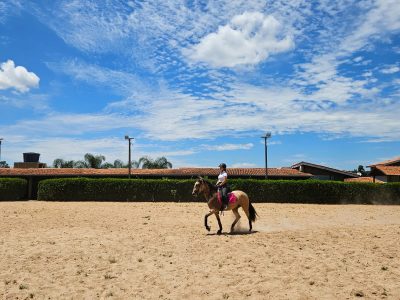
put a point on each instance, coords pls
(386, 171)
(322, 172)
(364, 179)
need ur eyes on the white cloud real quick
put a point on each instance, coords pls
(9, 8)
(58, 124)
(249, 110)
(39, 102)
(228, 147)
(390, 70)
(51, 148)
(248, 39)
(18, 78)
(121, 82)
(242, 165)
(380, 20)
(285, 104)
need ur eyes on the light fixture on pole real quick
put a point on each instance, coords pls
(1, 139)
(265, 137)
(129, 162)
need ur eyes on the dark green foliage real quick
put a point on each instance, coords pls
(112, 189)
(319, 191)
(158, 163)
(12, 189)
(278, 191)
(4, 164)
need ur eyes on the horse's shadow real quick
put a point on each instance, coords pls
(233, 233)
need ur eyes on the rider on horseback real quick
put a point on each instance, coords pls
(222, 185)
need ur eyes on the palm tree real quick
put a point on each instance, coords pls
(60, 163)
(134, 164)
(158, 163)
(3, 164)
(116, 165)
(91, 161)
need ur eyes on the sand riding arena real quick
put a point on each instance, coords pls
(90, 250)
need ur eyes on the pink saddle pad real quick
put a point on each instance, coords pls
(231, 196)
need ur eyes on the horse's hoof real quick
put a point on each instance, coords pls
(208, 228)
(219, 231)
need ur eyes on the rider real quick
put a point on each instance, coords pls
(222, 185)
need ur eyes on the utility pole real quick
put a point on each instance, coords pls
(1, 139)
(265, 137)
(129, 163)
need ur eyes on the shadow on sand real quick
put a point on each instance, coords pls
(233, 233)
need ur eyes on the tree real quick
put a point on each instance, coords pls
(96, 162)
(60, 163)
(3, 164)
(90, 161)
(116, 165)
(158, 163)
(134, 164)
(361, 170)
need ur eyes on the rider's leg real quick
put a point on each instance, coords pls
(224, 194)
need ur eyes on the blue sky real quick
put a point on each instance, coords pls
(200, 81)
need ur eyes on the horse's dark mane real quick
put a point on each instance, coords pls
(210, 186)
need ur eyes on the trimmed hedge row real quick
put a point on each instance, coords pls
(113, 189)
(319, 191)
(12, 189)
(278, 191)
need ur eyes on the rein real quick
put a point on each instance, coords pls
(210, 193)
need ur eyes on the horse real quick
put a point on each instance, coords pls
(210, 192)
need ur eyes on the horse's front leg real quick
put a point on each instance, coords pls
(205, 220)
(219, 222)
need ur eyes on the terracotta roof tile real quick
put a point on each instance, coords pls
(185, 172)
(388, 170)
(386, 162)
(363, 179)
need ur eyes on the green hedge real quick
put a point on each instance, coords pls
(12, 189)
(278, 191)
(319, 191)
(112, 189)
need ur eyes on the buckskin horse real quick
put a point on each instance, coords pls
(236, 199)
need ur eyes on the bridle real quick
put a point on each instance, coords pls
(201, 189)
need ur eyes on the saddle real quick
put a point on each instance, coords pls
(231, 198)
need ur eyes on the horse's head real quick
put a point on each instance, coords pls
(199, 187)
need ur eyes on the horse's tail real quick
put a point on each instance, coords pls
(252, 213)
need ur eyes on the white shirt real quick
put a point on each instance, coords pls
(222, 176)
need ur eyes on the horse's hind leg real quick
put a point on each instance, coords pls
(246, 206)
(236, 213)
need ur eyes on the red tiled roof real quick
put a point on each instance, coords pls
(386, 162)
(363, 179)
(388, 170)
(187, 172)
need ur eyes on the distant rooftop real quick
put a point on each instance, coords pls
(180, 172)
(387, 162)
(363, 179)
(350, 174)
(387, 170)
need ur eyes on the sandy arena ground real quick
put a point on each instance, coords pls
(162, 251)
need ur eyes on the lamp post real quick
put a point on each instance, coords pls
(129, 163)
(1, 139)
(265, 137)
